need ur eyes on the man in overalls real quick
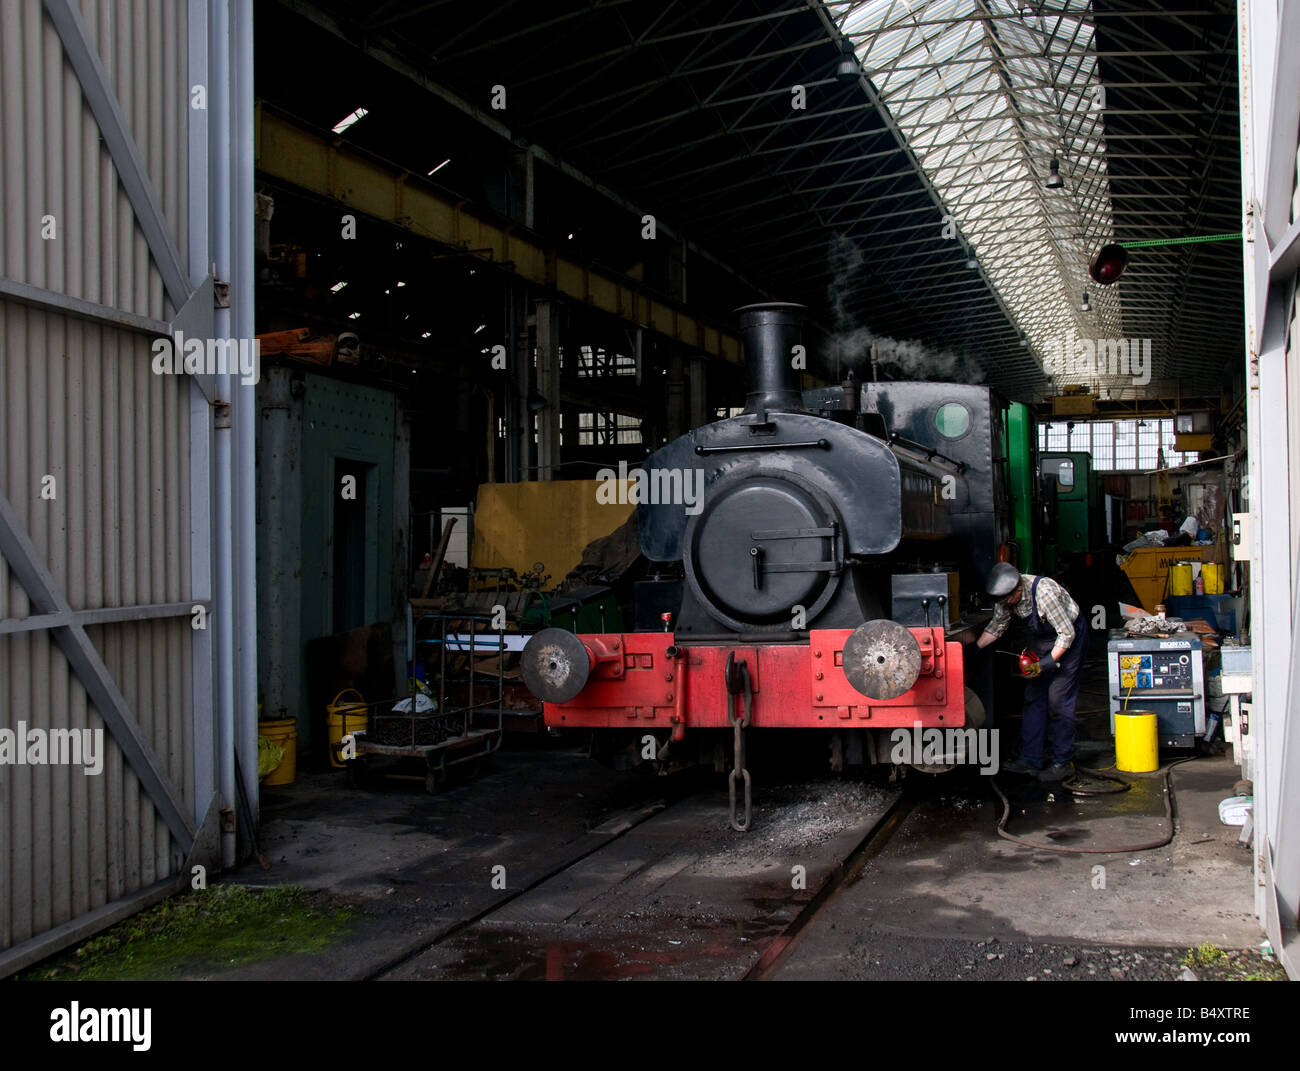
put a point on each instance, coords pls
(1056, 632)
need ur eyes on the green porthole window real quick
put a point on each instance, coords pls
(952, 419)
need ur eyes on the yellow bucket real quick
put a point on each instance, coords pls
(1212, 574)
(343, 718)
(284, 732)
(1136, 749)
(1180, 579)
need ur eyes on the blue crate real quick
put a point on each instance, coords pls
(1207, 607)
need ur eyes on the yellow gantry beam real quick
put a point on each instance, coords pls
(330, 169)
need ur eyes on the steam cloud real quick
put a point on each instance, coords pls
(906, 359)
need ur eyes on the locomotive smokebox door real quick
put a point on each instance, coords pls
(882, 659)
(556, 665)
(766, 542)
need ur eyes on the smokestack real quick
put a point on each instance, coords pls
(771, 332)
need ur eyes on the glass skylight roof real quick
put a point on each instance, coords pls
(986, 93)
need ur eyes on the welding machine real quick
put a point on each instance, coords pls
(1164, 675)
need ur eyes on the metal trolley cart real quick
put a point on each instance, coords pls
(467, 657)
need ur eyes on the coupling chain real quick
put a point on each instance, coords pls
(739, 687)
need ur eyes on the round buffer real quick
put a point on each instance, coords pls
(556, 665)
(882, 659)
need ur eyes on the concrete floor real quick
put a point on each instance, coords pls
(946, 885)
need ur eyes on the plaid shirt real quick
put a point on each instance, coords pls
(1055, 607)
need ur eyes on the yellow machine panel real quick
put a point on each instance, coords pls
(547, 521)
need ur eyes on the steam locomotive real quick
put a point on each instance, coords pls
(822, 575)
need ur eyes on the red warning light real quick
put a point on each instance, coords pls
(1108, 264)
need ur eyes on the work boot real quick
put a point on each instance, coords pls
(1020, 766)
(1057, 772)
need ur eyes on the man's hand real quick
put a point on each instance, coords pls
(1030, 666)
(1047, 662)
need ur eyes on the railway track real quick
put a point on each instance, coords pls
(625, 823)
(671, 893)
(776, 953)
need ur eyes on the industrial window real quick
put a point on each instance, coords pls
(608, 429)
(597, 361)
(1126, 444)
(1117, 445)
(722, 413)
(537, 427)
(1102, 446)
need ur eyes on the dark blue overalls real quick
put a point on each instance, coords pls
(1050, 698)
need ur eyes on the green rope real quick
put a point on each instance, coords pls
(1181, 241)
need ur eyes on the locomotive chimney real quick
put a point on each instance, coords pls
(771, 332)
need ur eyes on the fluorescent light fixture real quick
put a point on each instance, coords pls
(338, 286)
(348, 120)
(400, 283)
(427, 334)
(479, 328)
(441, 165)
(354, 316)
(570, 237)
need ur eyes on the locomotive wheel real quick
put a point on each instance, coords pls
(882, 659)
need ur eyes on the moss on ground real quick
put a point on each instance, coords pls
(1213, 964)
(221, 926)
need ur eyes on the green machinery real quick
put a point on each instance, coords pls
(1023, 487)
(1072, 507)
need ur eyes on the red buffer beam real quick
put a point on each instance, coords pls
(645, 680)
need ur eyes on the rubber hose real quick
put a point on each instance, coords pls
(1169, 815)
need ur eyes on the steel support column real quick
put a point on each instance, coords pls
(547, 318)
(698, 405)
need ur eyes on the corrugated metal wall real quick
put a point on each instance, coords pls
(79, 403)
